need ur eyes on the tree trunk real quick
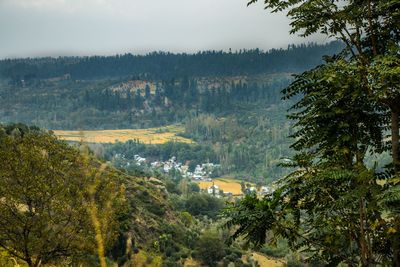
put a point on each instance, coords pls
(395, 138)
(395, 110)
(363, 245)
(396, 253)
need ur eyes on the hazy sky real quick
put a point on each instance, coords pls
(87, 27)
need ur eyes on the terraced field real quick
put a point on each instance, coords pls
(146, 136)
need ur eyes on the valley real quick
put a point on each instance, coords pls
(180, 136)
(200, 133)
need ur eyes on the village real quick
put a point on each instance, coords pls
(202, 175)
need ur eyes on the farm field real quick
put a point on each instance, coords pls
(225, 183)
(156, 136)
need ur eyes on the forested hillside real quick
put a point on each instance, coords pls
(227, 102)
(165, 66)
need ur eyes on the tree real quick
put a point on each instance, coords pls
(331, 204)
(54, 204)
(371, 32)
(138, 100)
(210, 248)
(194, 188)
(147, 92)
(204, 204)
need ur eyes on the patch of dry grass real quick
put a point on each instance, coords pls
(265, 261)
(147, 136)
(226, 184)
(190, 262)
(141, 259)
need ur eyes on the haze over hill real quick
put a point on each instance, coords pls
(101, 27)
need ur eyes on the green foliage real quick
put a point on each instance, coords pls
(335, 117)
(187, 218)
(48, 192)
(278, 250)
(210, 248)
(204, 204)
(331, 205)
(330, 189)
(194, 188)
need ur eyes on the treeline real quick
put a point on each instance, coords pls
(165, 66)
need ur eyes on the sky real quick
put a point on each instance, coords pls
(35, 28)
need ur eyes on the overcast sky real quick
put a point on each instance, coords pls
(104, 27)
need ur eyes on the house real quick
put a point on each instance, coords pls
(197, 177)
(139, 160)
(213, 190)
(198, 170)
(155, 164)
(166, 168)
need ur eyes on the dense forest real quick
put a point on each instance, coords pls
(165, 66)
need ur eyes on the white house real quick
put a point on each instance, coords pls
(213, 190)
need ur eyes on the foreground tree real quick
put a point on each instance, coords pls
(370, 29)
(332, 205)
(329, 206)
(53, 202)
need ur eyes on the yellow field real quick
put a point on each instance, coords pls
(146, 136)
(265, 261)
(226, 184)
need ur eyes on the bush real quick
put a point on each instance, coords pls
(204, 204)
(239, 263)
(171, 263)
(232, 257)
(149, 259)
(278, 251)
(210, 248)
(294, 263)
(233, 250)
